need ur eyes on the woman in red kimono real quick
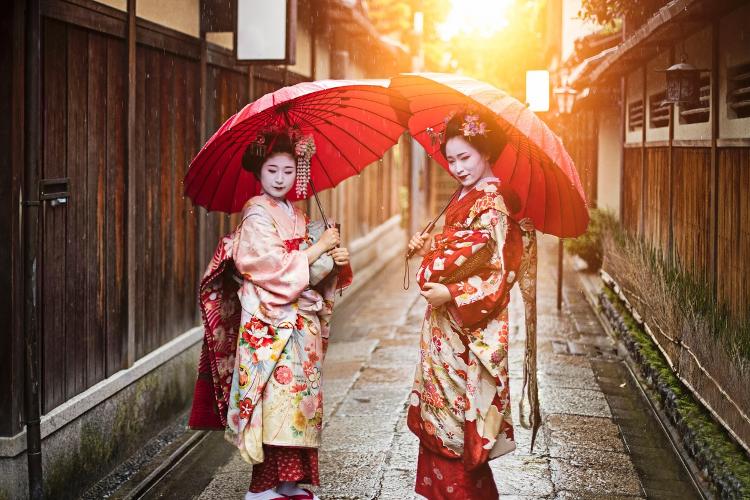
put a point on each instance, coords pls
(267, 301)
(460, 403)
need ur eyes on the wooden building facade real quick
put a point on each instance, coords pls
(678, 178)
(126, 102)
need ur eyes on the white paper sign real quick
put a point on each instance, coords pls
(261, 30)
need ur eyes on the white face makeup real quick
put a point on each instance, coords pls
(277, 175)
(465, 162)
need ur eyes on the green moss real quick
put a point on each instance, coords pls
(152, 402)
(713, 448)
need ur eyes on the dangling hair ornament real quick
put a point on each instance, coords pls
(258, 146)
(304, 149)
(435, 137)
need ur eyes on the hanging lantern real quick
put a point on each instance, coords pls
(566, 98)
(683, 82)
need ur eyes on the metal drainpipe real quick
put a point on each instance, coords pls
(30, 205)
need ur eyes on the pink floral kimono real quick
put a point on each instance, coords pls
(266, 332)
(460, 403)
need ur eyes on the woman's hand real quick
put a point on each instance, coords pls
(436, 294)
(340, 256)
(419, 243)
(330, 239)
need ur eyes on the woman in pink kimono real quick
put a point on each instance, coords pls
(460, 403)
(267, 325)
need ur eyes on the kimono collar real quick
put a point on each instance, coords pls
(289, 227)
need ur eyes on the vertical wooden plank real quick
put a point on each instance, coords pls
(54, 102)
(202, 137)
(153, 205)
(191, 221)
(96, 163)
(114, 183)
(714, 185)
(179, 216)
(166, 131)
(11, 162)
(141, 202)
(132, 260)
(75, 281)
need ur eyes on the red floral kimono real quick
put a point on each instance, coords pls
(266, 331)
(460, 403)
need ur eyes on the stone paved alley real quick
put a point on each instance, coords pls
(598, 439)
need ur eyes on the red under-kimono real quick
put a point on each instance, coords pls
(460, 403)
(266, 330)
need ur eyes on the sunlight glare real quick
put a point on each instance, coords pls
(477, 17)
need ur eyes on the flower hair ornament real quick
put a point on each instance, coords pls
(304, 149)
(471, 126)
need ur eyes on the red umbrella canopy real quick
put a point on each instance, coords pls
(353, 123)
(535, 163)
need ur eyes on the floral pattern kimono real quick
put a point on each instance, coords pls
(266, 334)
(460, 403)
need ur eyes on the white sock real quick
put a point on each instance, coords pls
(263, 495)
(289, 488)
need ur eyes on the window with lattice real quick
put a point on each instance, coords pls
(738, 91)
(699, 111)
(635, 115)
(658, 110)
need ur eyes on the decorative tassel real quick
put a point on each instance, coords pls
(304, 149)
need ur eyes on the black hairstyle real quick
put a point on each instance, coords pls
(273, 143)
(491, 144)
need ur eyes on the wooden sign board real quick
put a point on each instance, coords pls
(265, 31)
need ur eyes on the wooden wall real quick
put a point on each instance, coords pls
(678, 223)
(84, 280)
(691, 202)
(82, 246)
(11, 177)
(733, 246)
(657, 213)
(579, 133)
(84, 277)
(632, 175)
(168, 127)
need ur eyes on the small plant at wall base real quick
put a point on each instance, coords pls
(671, 299)
(589, 246)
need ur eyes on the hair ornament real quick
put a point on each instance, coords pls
(304, 149)
(472, 126)
(258, 146)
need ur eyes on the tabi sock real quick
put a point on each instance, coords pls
(263, 495)
(289, 488)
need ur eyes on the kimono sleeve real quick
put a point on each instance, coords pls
(480, 296)
(260, 255)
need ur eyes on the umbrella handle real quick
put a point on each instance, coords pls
(427, 230)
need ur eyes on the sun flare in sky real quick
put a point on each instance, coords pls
(476, 17)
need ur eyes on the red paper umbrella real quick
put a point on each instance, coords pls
(353, 122)
(535, 163)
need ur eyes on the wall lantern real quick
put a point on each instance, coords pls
(566, 98)
(683, 82)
